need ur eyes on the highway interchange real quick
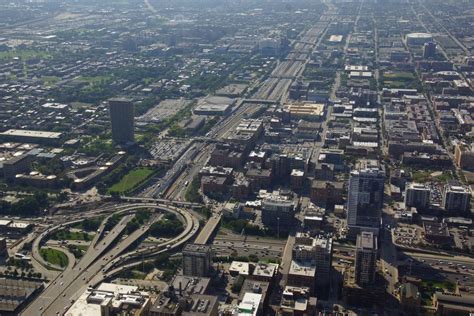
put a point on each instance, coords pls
(106, 252)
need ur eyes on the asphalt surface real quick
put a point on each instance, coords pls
(62, 291)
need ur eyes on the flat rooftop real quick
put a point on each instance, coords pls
(366, 240)
(31, 133)
(302, 268)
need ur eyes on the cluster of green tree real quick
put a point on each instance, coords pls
(23, 274)
(239, 225)
(138, 220)
(17, 263)
(169, 226)
(27, 206)
(205, 211)
(96, 146)
(113, 221)
(162, 262)
(27, 246)
(51, 166)
(192, 192)
(176, 131)
(168, 266)
(89, 224)
(206, 82)
(76, 251)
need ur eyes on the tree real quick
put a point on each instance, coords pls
(26, 206)
(62, 197)
(115, 195)
(42, 198)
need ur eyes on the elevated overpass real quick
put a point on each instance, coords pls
(208, 230)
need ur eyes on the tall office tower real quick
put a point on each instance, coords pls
(323, 256)
(457, 198)
(429, 50)
(197, 260)
(121, 117)
(366, 258)
(417, 195)
(365, 200)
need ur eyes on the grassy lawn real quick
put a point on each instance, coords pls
(54, 256)
(425, 176)
(50, 80)
(399, 76)
(400, 80)
(395, 84)
(69, 235)
(428, 288)
(24, 54)
(94, 81)
(131, 180)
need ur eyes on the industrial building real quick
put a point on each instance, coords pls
(30, 136)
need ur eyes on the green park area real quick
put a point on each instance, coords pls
(400, 80)
(54, 256)
(131, 180)
(422, 176)
(94, 81)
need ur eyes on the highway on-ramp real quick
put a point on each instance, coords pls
(60, 294)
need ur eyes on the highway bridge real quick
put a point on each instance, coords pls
(208, 230)
(106, 252)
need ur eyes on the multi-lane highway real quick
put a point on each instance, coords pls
(105, 249)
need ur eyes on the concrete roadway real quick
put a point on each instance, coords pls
(110, 269)
(64, 280)
(260, 249)
(75, 289)
(208, 229)
(58, 297)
